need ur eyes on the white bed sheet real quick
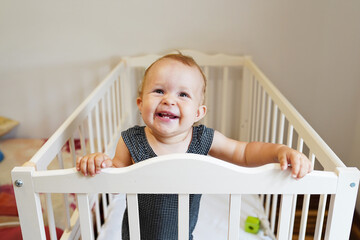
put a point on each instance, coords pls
(212, 222)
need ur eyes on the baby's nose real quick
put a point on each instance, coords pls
(168, 99)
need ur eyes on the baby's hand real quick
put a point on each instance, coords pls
(92, 163)
(300, 164)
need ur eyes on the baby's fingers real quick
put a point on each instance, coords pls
(92, 163)
(107, 163)
(102, 161)
(82, 164)
(301, 166)
(283, 161)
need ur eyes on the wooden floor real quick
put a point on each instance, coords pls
(355, 230)
(311, 222)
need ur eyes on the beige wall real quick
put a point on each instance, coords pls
(53, 53)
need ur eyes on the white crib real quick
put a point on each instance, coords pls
(243, 104)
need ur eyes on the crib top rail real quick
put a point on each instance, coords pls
(217, 60)
(185, 173)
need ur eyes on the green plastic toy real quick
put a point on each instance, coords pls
(252, 224)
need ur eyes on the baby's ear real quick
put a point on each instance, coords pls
(139, 103)
(201, 112)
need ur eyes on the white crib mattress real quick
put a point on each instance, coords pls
(212, 222)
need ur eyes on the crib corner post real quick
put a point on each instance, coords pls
(28, 204)
(342, 204)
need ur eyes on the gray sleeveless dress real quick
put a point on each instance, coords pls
(158, 213)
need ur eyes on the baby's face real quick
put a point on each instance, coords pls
(171, 98)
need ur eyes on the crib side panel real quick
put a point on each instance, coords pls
(93, 126)
(325, 155)
(274, 119)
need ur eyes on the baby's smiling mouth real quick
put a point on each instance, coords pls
(167, 115)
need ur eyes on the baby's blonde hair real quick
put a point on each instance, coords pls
(186, 60)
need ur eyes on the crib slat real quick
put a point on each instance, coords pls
(273, 140)
(85, 216)
(97, 124)
(258, 109)
(224, 102)
(312, 158)
(274, 124)
(123, 76)
(82, 139)
(72, 150)
(109, 112)
(91, 134)
(290, 135)
(273, 211)
(300, 144)
(256, 112)
(113, 112)
(104, 204)
(284, 217)
(105, 127)
(60, 160)
(281, 129)
(320, 217)
(262, 121)
(183, 215)
(253, 104)
(267, 205)
(304, 216)
(50, 215)
(133, 213)
(97, 214)
(305, 210)
(118, 106)
(268, 117)
(65, 195)
(245, 101)
(292, 216)
(280, 141)
(234, 217)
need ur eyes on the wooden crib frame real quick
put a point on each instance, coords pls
(264, 115)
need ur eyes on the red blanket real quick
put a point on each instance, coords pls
(8, 208)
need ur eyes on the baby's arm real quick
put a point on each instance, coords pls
(258, 153)
(91, 164)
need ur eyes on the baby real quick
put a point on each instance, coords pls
(170, 102)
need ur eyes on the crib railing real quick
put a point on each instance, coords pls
(274, 119)
(183, 177)
(96, 124)
(258, 113)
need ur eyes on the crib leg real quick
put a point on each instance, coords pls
(28, 204)
(342, 205)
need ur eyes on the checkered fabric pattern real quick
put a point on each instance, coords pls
(158, 213)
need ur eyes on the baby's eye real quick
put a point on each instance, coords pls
(159, 91)
(184, 94)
